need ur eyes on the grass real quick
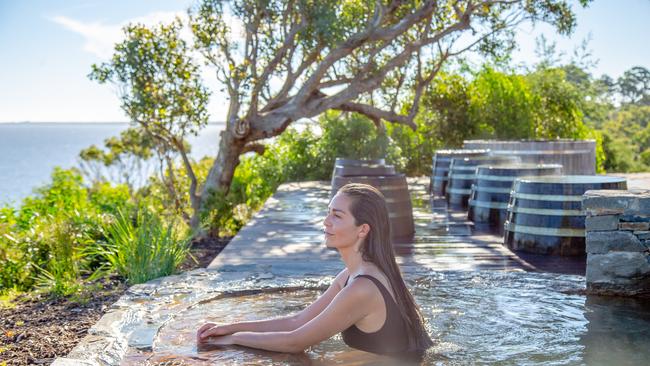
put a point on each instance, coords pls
(142, 247)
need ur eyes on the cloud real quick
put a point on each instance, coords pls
(101, 38)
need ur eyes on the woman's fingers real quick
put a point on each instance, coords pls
(205, 327)
(214, 331)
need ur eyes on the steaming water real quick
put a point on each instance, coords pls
(485, 317)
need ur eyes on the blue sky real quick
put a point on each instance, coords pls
(47, 47)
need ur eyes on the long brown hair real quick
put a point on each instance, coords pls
(368, 206)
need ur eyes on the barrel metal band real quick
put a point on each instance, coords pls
(545, 197)
(463, 168)
(544, 230)
(545, 211)
(463, 176)
(483, 204)
(492, 189)
(500, 178)
(459, 190)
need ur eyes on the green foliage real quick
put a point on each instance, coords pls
(123, 158)
(446, 112)
(162, 88)
(350, 136)
(142, 247)
(162, 93)
(628, 138)
(502, 105)
(634, 85)
(295, 155)
(44, 242)
(558, 106)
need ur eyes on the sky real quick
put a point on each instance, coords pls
(47, 48)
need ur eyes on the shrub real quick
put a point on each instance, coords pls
(142, 247)
(48, 240)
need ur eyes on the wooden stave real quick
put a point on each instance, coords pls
(566, 237)
(462, 174)
(356, 162)
(363, 170)
(490, 194)
(576, 156)
(440, 167)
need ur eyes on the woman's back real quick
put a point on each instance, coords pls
(391, 338)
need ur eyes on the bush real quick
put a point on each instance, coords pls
(142, 247)
(47, 242)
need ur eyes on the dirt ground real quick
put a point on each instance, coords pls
(36, 329)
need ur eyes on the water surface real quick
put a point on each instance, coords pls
(485, 317)
(30, 151)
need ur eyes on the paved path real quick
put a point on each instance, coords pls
(286, 236)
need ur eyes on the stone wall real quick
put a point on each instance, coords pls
(618, 242)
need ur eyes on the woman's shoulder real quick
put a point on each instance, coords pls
(341, 278)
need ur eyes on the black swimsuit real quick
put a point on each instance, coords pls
(391, 338)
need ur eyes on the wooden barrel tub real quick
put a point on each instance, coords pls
(490, 193)
(363, 170)
(440, 168)
(545, 213)
(395, 190)
(462, 173)
(576, 156)
(349, 165)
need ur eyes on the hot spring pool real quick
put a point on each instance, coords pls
(484, 317)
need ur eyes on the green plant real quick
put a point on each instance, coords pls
(59, 275)
(143, 247)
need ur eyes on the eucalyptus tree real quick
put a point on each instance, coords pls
(161, 92)
(281, 61)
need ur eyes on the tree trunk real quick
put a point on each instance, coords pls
(222, 170)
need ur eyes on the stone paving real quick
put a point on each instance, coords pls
(284, 240)
(286, 236)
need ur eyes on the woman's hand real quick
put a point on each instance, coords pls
(226, 340)
(211, 330)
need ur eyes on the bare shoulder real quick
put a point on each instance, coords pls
(340, 278)
(362, 288)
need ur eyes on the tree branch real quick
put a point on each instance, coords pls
(376, 114)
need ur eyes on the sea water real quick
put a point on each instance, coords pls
(30, 151)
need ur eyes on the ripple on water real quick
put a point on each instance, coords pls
(487, 317)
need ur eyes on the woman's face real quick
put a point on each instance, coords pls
(340, 229)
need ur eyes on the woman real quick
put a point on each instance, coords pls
(368, 301)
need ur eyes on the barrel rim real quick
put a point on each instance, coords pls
(461, 151)
(520, 166)
(392, 176)
(528, 140)
(571, 179)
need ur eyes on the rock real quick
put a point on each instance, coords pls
(628, 202)
(634, 226)
(620, 268)
(634, 218)
(601, 223)
(61, 361)
(602, 242)
(642, 235)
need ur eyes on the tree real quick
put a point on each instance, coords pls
(301, 58)
(502, 105)
(161, 92)
(634, 85)
(281, 61)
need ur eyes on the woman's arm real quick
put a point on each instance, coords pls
(348, 307)
(283, 324)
